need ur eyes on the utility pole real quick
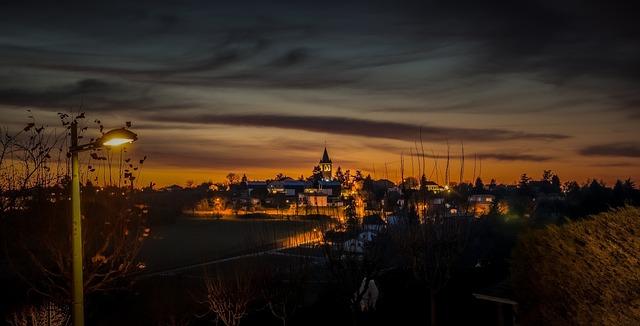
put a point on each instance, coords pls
(76, 233)
(112, 138)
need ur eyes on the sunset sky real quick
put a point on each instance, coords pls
(259, 88)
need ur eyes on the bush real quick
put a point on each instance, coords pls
(581, 273)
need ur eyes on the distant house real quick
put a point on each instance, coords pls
(172, 188)
(373, 223)
(326, 194)
(288, 187)
(256, 185)
(433, 187)
(481, 203)
(316, 199)
(484, 198)
(331, 188)
(353, 246)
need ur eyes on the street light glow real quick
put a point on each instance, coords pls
(118, 137)
(117, 141)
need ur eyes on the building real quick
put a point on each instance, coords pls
(316, 199)
(289, 187)
(481, 203)
(433, 187)
(482, 198)
(331, 188)
(325, 192)
(326, 166)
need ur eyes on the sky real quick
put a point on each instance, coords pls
(261, 87)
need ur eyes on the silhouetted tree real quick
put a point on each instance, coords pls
(232, 178)
(350, 212)
(479, 185)
(555, 184)
(228, 297)
(316, 175)
(35, 227)
(340, 176)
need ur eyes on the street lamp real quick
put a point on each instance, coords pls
(112, 138)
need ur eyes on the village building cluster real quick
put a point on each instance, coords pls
(328, 191)
(319, 192)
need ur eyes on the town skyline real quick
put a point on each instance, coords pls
(474, 167)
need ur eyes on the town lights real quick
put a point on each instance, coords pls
(112, 138)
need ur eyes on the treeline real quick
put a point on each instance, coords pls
(547, 200)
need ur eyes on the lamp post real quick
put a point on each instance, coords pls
(112, 138)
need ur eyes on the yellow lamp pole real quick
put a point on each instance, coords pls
(77, 287)
(112, 138)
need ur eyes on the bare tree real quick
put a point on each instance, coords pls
(47, 314)
(26, 162)
(229, 298)
(35, 221)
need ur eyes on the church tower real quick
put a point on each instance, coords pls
(325, 166)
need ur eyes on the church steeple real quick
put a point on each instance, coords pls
(325, 157)
(325, 166)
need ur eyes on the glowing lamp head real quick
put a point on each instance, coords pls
(117, 137)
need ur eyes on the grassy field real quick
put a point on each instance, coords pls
(195, 240)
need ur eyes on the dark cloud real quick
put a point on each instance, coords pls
(614, 165)
(515, 157)
(612, 149)
(495, 156)
(198, 152)
(221, 159)
(292, 57)
(68, 95)
(217, 60)
(559, 40)
(268, 46)
(359, 127)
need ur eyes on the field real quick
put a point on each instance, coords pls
(196, 240)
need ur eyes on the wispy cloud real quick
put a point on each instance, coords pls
(515, 157)
(359, 127)
(98, 93)
(612, 149)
